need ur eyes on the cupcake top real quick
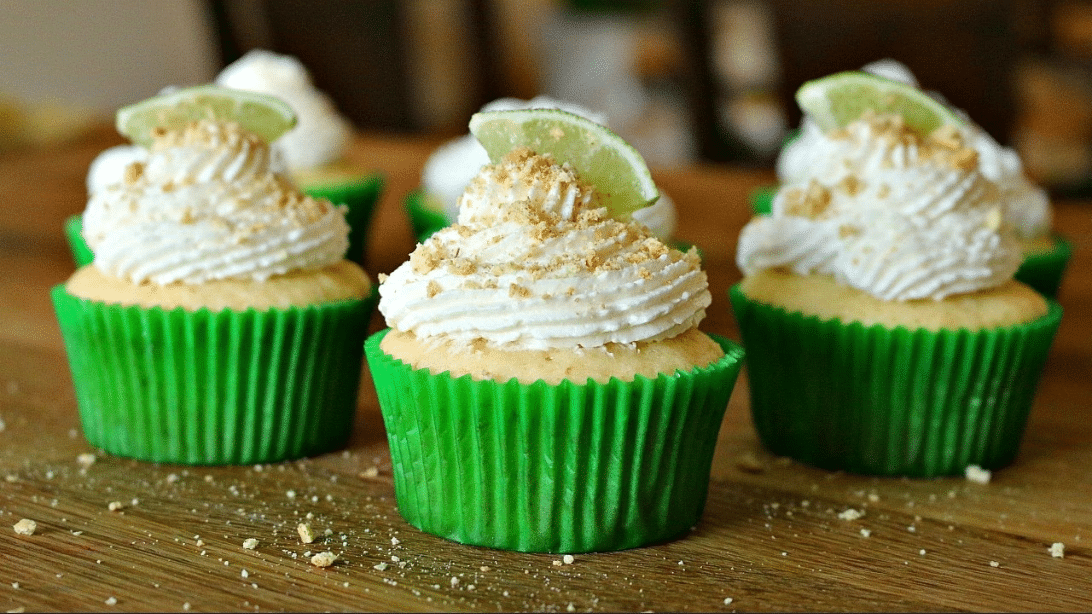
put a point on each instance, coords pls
(321, 135)
(1026, 206)
(535, 262)
(891, 213)
(452, 166)
(206, 205)
(796, 156)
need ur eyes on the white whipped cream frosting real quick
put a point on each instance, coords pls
(890, 213)
(321, 134)
(1026, 205)
(108, 168)
(535, 262)
(452, 166)
(796, 156)
(206, 205)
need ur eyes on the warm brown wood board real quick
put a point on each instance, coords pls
(773, 538)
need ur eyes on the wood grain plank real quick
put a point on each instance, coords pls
(774, 537)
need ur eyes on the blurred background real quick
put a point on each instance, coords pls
(686, 81)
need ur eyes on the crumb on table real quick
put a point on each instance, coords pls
(25, 526)
(307, 535)
(977, 474)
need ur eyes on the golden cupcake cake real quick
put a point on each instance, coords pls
(884, 330)
(543, 380)
(219, 322)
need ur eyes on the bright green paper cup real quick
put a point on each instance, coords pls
(552, 468)
(762, 199)
(73, 232)
(882, 401)
(424, 220)
(360, 196)
(1043, 271)
(214, 388)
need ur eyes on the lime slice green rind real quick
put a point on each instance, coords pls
(600, 157)
(267, 116)
(837, 100)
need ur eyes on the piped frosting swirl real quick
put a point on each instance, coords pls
(322, 134)
(206, 205)
(891, 213)
(535, 262)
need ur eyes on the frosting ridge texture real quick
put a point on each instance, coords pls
(891, 213)
(206, 205)
(534, 262)
(321, 135)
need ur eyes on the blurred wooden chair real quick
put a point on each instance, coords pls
(356, 50)
(964, 49)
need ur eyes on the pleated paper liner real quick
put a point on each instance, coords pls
(424, 220)
(762, 199)
(360, 195)
(552, 468)
(73, 232)
(214, 388)
(1043, 271)
(890, 401)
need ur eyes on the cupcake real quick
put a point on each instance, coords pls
(451, 167)
(1026, 205)
(219, 322)
(885, 333)
(313, 153)
(543, 382)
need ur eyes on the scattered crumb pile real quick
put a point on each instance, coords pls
(977, 474)
(25, 526)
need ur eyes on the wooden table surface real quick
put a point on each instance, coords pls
(771, 538)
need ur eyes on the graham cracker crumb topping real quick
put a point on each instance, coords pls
(810, 202)
(945, 146)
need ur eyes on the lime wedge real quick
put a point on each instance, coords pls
(267, 116)
(836, 100)
(599, 156)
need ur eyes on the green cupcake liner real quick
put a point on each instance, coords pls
(552, 468)
(424, 220)
(73, 232)
(890, 401)
(214, 388)
(1044, 271)
(360, 195)
(762, 199)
